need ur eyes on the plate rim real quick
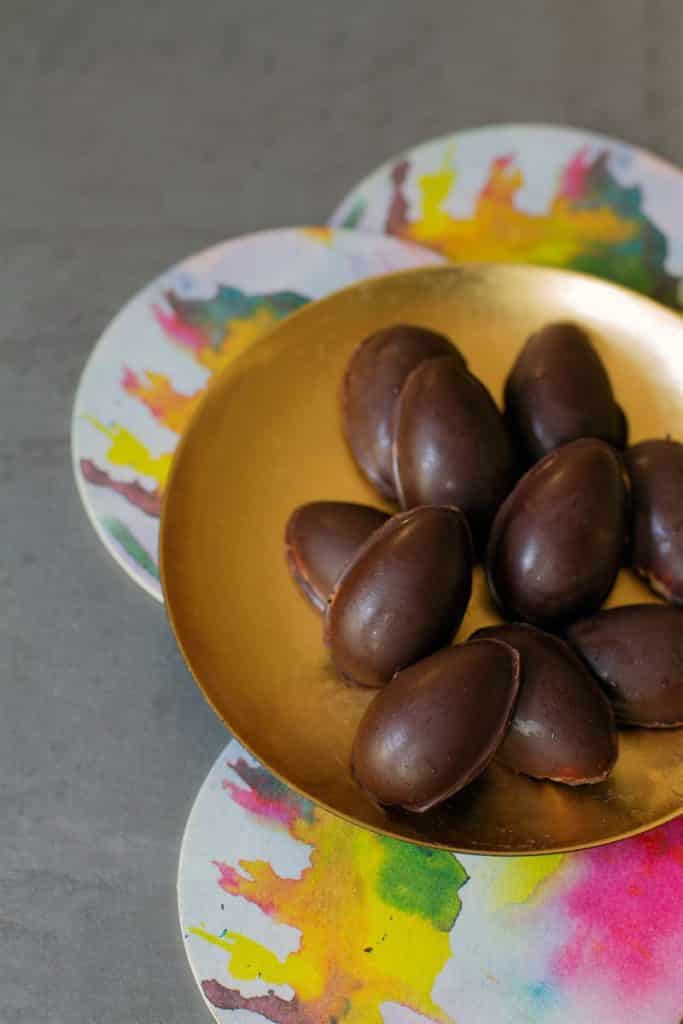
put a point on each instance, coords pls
(450, 137)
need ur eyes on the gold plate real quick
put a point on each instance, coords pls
(267, 438)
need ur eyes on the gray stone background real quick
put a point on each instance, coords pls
(132, 133)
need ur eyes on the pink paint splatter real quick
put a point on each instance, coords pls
(129, 380)
(184, 333)
(229, 879)
(499, 165)
(627, 915)
(263, 806)
(573, 180)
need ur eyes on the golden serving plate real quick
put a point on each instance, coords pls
(267, 438)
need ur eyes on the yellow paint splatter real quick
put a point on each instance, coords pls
(323, 235)
(238, 337)
(498, 230)
(371, 916)
(172, 408)
(126, 450)
(520, 877)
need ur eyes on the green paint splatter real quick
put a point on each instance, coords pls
(131, 545)
(421, 881)
(355, 215)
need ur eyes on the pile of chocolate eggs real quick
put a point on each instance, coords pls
(549, 498)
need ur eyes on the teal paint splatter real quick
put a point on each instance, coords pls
(543, 994)
(421, 881)
(131, 545)
(212, 316)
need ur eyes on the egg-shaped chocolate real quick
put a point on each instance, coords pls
(655, 469)
(636, 651)
(437, 726)
(321, 538)
(402, 597)
(558, 391)
(563, 724)
(451, 446)
(557, 540)
(372, 383)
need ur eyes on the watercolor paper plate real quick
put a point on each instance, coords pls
(540, 194)
(151, 366)
(255, 645)
(291, 916)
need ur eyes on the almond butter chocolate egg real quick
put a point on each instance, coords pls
(655, 469)
(558, 391)
(451, 446)
(636, 651)
(557, 541)
(437, 726)
(321, 538)
(402, 597)
(374, 377)
(563, 725)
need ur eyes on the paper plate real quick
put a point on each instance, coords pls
(151, 366)
(291, 916)
(540, 194)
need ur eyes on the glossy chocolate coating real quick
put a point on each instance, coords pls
(655, 469)
(321, 538)
(372, 383)
(637, 653)
(437, 726)
(402, 597)
(563, 725)
(558, 391)
(451, 445)
(557, 541)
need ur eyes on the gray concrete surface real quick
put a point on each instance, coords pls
(130, 134)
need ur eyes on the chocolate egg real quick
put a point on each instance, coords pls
(437, 726)
(563, 725)
(402, 597)
(321, 538)
(451, 446)
(558, 391)
(637, 653)
(374, 378)
(557, 540)
(655, 469)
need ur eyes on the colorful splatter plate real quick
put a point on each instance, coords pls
(539, 194)
(300, 918)
(151, 366)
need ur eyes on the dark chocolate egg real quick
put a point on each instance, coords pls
(437, 726)
(637, 653)
(451, 445)
(655, 469)
(321, 538)
(558, 391)
(402, 597)
(374, 378)
(563, 726)
(557, 540)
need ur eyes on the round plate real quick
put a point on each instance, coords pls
(152, 364)
(267, 438)
(542, 194)
(292, 916)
